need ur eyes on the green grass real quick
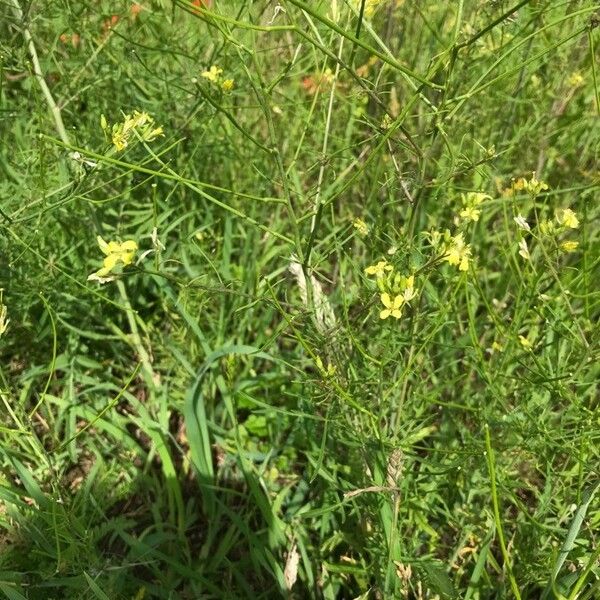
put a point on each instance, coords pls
(229, 417)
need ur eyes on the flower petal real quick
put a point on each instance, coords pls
(114, 247)
(99, 278)
(103, 245)
(398, 302)
(129, 246)
(127, 257)
(110, 262)
(386, 300)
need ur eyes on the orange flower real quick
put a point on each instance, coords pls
(313, 84)
(73, 38)
(135, 10)
(109, 23)
(200, 4)
(308, 83)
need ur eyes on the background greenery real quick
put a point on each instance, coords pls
(231, 413)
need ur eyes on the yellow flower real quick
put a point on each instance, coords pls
(533, 186)
(393, 307)
(151, 134)
(471, 203)
(569, 246)
(567, 218)
(121, 133)
(119, 140)
(470, 213)
(139, 119)
(213, 74)
(458, 253)
(361, 226)
(525, 342)
(401, 290)
(227, 85)
(115, 253)
(379, 269)
(575, 79)
(520, 184)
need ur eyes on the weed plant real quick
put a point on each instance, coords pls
(299, 299)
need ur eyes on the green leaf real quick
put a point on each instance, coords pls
(95, 588)
(436, 577)
(10, 592)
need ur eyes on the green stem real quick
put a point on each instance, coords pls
(136, 340)
(37, 71)
(497, 520)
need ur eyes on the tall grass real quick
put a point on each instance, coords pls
(300, 299)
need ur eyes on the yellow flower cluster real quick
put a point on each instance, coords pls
(405, 292)
(379, 269)
(471, 202)
(453, 248)
(140, 123)
(532, 186)
(569, 246)
(116, 253)
(214, 76)
(564, 219)
(567, 219)
(360, 226)
(458, 253)
(575, 80)
(396, 290)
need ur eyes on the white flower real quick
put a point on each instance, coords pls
(79, 158)
(156, 243)
(324, 314)
(524, 250)
(522, 223)
(4, 321)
